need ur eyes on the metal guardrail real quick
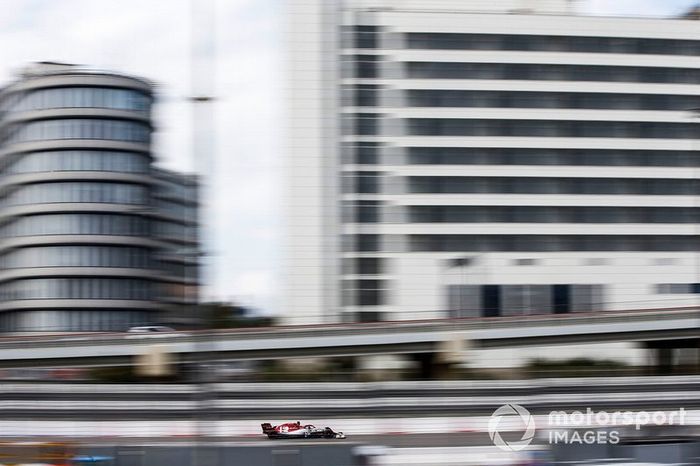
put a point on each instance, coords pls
(640, 383)
(376, 404)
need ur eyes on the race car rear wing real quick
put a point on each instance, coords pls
(267, 428)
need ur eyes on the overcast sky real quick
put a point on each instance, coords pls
(150, 38)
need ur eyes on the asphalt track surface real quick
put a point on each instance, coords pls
(433, 440)
(390, 440)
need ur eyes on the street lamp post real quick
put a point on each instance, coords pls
(202, 74)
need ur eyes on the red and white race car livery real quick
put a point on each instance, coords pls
(297, 430)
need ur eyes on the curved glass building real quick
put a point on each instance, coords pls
(80, 225)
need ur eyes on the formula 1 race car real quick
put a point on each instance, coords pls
(296, 430)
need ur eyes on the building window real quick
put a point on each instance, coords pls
(491, 300)
(363, 266)
(362, 182)
(678, 288)
(76, 128)
(529, 42)
(367, 153)
(546, 128)
(78, 256)
(525, 261)
(364, 292)
(80, 160)
(368, 182)
(547, 214)
(366, 37)
(361, 211)
(90, 97)
(367, 96)
(361, 243)
(361, 153)
(526, 299)
(575, 157)
(463, 301)
(77, 224)
(518, 71)
(542, 185)
(368, 316)
(663, 261)
(78, 288)
(520, 99)
(91, 320)
(367, 66)
(552, 243)
(87, 191)
(596, 261)
(561, 299)
(367, 124)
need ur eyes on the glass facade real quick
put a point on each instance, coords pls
(551, 43)
(361, 152)
(528, 156)
(519, 99)
(78, 288)
(178, 191)
(77, 224)
(78, 128)
(77, 191)
(362, 95)
(360, 36)
(678, 288)
(514, 300)
(548, 128)
(175, 198)
(551, 243)
(365, 182)
(362, 211)
(362, 123)
(537, 214)
(547, 72)
(365, 292)
(79, 256)
(79, 97)
(176, 209)
(80, 160)
(364, 266)
(361, 243)
(541, 185)
(176, 230)
(84, 320)
(77, 207)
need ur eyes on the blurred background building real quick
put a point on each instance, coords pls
(468, 158)
(93, 236)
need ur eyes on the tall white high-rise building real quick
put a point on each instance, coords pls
(473, 158)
